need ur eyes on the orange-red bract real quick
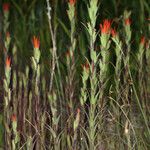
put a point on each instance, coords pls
(72, 2)
(105, 27)
(127, 22)
(8, 61)
(86, 66)
(113, 33)
(142, 41)
(36, 42)
(13, 118)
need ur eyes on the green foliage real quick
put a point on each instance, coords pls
(78, 85)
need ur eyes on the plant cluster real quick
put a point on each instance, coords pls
(93, 95)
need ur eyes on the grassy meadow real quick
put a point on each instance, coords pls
(75, 75)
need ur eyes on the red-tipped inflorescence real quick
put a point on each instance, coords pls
(36, 42)
(13, 118)
(72, 2)
(113, 33)
(6, 7)
(105, 27)
(86, 66)
(127, 21)
(8, 61)
(142, 41)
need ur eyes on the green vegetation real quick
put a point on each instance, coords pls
(75, 75)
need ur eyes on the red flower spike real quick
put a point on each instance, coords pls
(142, 40)
(36, 42)
(8, 61)
(105, 27)
(6, 7)
(13, 118)
(72, 2)
(113, 33)
(127, 22)
(86, 66)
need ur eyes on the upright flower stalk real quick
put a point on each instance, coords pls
(127, 82)
(36, 80)
(92, 73)
(140, 55)
(70, 86)
(7, 99)
(92, 11)
(117, 76)
(127, 27)
(7, 38)
(6, 45)
(11, 143)
(36, 53)
(118, 51)
(85, 77)
(71, 15)
(105, 30)
(36, 60)
(6, 9)
(141, 70)
(126, 54)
